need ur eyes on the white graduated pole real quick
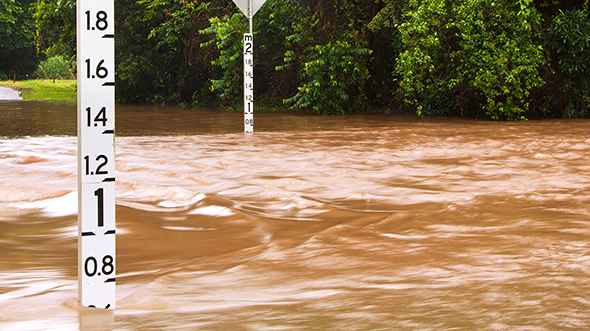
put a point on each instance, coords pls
(96, 153)
(248, 83)
(249, 8)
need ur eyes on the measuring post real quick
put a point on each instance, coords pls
(248, 83)
(96, 153)
(249, 8)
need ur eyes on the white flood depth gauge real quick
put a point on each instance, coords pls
(249, 8)
(248, 83)
(96, 153)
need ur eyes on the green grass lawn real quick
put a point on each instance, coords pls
(40, 89)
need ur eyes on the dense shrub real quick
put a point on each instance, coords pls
(56, 67)
(465, 55)
(334, 76)
(569, 41)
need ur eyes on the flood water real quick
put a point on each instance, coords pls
(310, 223)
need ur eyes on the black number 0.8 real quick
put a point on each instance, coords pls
(91, 266)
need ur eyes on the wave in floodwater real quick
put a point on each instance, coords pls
(349, 224)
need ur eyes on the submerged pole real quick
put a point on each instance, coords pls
(249, 75)
(95, 31)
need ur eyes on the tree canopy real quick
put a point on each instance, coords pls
(499, 59)
(17, 38)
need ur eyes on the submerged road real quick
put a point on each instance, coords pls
(9, 94)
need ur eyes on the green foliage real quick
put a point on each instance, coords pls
(490, 58)
(461, 52)
(385, 41)
(273, 23)
(55, 22)
(17, 33)
(569, 41)
(228, 32)
(334, 77)
(158, 55)
(56, 67)
(178, 18)
(333, 59)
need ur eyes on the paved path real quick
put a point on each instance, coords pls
(9, 94)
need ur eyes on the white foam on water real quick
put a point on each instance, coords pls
(403, 237)
(183, 202)
(65, 205)
(40, 325)
(187, 228)
(212, 211)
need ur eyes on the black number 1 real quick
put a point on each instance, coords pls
(100, 206)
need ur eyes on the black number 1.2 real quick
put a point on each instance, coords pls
(100, 206)
(98, 170)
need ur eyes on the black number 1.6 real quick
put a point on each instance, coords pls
(100, 72)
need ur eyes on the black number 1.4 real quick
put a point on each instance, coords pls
(101, 117)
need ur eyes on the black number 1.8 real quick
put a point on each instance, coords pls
(100, 23)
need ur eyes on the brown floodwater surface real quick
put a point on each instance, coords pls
(311, 223)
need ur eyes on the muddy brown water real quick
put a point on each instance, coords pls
(310, 223)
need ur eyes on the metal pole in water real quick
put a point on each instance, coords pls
(250, 15)
(96, 153)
